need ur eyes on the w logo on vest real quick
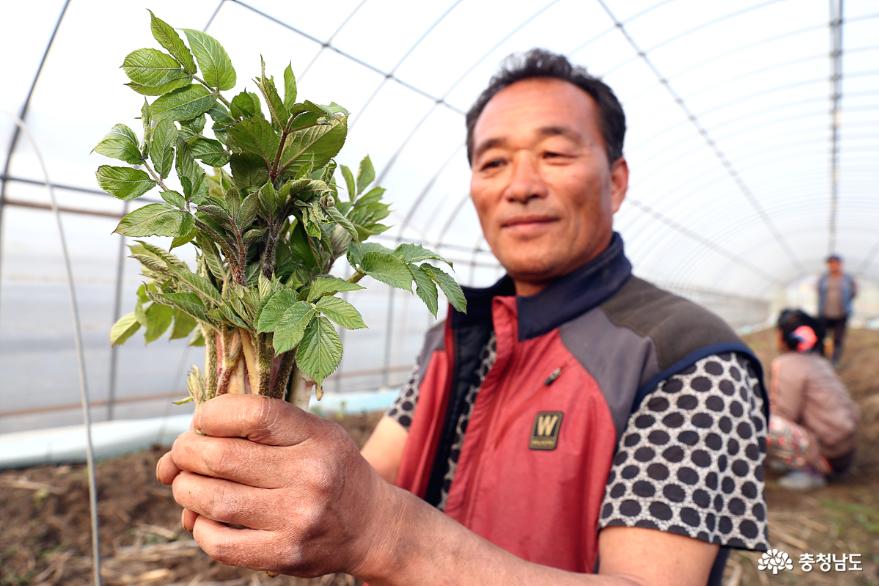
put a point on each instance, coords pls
(545, 431)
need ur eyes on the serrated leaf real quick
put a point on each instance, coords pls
(197, 284)
(274, 308)
(289, 87)
(192, 176)
(148, 90)
(388, 269)
(162, 146)
(291, 326)
(274, 102)
(248, 211)
(245, 105)
(120, 143)
(365, 174)
(171, 41)
(342, 221)
(320, 351)
(312, 147)
(211, 256)
(188, 303)
(155, 219)
(216, 67)
(187, 232)
(255, 136)
(425, 288)
(417, 253)
(183, 325)
(174, 198)
(124, 328)
(159, 319)
(450, 287)
(340, 312)
(152, 68)
(184, 103)
(329, 285)
(124, 182)
(195, 125)
(210, 151)
(248, 171)
(350, 186)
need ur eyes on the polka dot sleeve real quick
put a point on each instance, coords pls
(404, 406)
(690, 460)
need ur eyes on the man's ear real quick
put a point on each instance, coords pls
(619, 183)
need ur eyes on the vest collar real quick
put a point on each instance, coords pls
(561, 301)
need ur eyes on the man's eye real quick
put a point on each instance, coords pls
(553, 155)
(492, 164)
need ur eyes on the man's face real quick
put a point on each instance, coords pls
(834, 266)
(541, 182)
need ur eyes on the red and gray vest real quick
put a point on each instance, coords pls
(573, 362)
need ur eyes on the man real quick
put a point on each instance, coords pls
(836, 292)
(575, 421)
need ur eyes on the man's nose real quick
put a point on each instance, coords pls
(526, 183)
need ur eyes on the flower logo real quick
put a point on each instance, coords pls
(775, 560)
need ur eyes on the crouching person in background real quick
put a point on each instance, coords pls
(813, 423)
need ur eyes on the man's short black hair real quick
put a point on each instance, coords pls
(540, 63)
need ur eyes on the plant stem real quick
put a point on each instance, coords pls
(273, 172)
(264, 358)
(279, 389)
(210, 359)
(356, 276)
(152, 173)
(214, 91)
(251, 361)
(231, 355)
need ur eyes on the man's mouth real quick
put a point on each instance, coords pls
(527, 220)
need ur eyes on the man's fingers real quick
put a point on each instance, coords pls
(226, 502)
(166, 469)
(255, 549)
(235, 459)
(260, 419)
(187, 519)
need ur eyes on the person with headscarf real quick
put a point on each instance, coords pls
(814, 420)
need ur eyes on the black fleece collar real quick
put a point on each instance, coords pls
(561, 301)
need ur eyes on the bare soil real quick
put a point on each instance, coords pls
(44, 523)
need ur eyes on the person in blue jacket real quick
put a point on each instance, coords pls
(836, 292)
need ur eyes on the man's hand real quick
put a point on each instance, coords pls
(268, 486)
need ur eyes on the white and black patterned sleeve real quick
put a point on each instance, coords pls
(690, 460)
(403, 408)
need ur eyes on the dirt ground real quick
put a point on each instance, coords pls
(44, 536)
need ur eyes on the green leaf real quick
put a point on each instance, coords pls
(248, 212)
(342, 221)
(245, 105)
(192, 176)
(159, 319)
(124, 328)
(269, 200)
(450, 287)
(162, 146)
(277, 110)
(171, 41)
(313, 147)
(153, 68)
(124, 182)
(349, 182)
(183, 325)
(388, 269)
(120, 143)
(274, 308)
(184, 103)
(211, 256)
(292, 326)
(175, 199)
(187, 232)
(195, 125)
(214, 62)
(320, 351)
(341, 312)
(155, 219)
(289, 87)
(365, 174)
(188, 303)
(417, 253)
(210, 151)
(197, 284)
(254, 135)
(329, 285)
(248, 171)
(425, 288)
(149, 90)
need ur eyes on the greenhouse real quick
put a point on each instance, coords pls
(752, 152)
